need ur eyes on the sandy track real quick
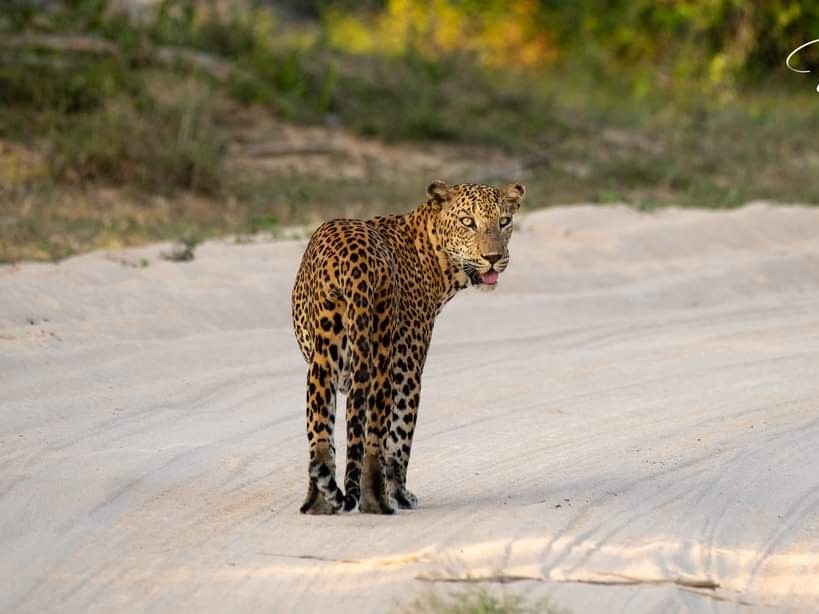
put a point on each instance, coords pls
(637, 405)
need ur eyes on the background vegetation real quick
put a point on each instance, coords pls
(125, 121)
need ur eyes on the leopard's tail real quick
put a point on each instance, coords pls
(369, 401)
(359, 331)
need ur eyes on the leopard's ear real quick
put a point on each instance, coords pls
(438, 193)
(514, 193)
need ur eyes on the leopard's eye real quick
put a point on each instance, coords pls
(468, 222)
(505, 221)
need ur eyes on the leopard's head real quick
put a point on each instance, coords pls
(474, 226)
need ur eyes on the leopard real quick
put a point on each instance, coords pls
(365, 299)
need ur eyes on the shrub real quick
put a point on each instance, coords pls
(151, 145)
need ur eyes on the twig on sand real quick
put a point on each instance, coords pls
(382, 562)
(705, 587)
(496, 578)
(617, 579)
(312, 557)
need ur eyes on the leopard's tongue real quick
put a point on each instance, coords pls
(489, 278)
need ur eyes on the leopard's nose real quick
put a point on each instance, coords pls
(491, 258)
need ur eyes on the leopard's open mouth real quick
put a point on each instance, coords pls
(490, 278)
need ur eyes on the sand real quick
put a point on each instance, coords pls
(631, 418)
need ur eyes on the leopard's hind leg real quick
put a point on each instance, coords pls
(323, 494)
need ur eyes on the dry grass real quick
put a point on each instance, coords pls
(479, 601)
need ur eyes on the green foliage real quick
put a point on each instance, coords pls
(289, 81)
(686, 48)
(64, 87)
(411, 97)
(688, 53)
(176, 23)
(480, 601)
(263, 223)
(158, 147)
